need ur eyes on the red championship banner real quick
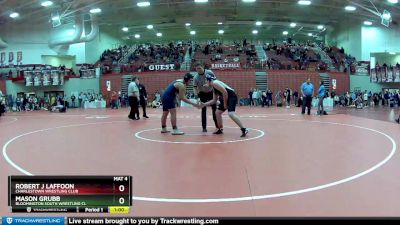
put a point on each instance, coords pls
(19, 56)
(11, 57)
(2, 57)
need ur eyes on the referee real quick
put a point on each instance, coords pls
(133, 95)
(204, 93)
(307, 91)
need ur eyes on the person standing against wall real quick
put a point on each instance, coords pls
(251, 97)
(2, 104)
(321, 96)
(73, 100)
(307, 91)
(288, 97)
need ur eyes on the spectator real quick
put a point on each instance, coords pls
(73, 100)
(321, 96)
(114, 99)
(288, 97)
(251, 97)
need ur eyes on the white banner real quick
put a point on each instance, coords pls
(225, 66)
(108, 84)
(334, 84)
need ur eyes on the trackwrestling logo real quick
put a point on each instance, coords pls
(33, 220)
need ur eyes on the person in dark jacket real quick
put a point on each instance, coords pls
(143, 98)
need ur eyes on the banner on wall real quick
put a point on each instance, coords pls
(37, 78)
(374, 77)
(2, 57)
(108, 84)
(55, 77)
(11, 58)
(19, 57)
(162, 67)
(222, 66)
(362, 68)
(385, 74)
(28, 75)
(46, 78)
(334, 84)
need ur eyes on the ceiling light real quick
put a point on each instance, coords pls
(258, 23)
(137, 36)
(310, 34)
(392, 53)
(192, 32)
(255, 31)
(221, 32)
(320, 27)
(304, 2)
(248, 0)
(200, 1)
(47, 3)
(55, 18)
(285, 33)
(220, 23)
(96, 10)
(350, 8)
(393, 1)
(187, 24)
(125, 29)
(14, 15)
(159, 34)
(293, 24)
(150, 27)
(368, 23)
(143, 4)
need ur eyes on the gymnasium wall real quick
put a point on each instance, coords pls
(32, 40)
(360, 41)
(241, 81)
(278, 80)
(342, 82)
(379, 39)
(348, 36)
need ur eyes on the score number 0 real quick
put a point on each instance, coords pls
(121, 200)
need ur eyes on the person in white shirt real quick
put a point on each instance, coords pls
(133, 96)
(255, 97)
(365, 98)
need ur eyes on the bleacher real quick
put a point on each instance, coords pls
(211, 53)
(243, 56)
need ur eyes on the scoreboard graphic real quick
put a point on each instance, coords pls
(75, 194)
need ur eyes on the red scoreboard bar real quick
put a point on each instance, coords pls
(89, 194)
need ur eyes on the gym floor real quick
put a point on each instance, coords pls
(290, 165)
